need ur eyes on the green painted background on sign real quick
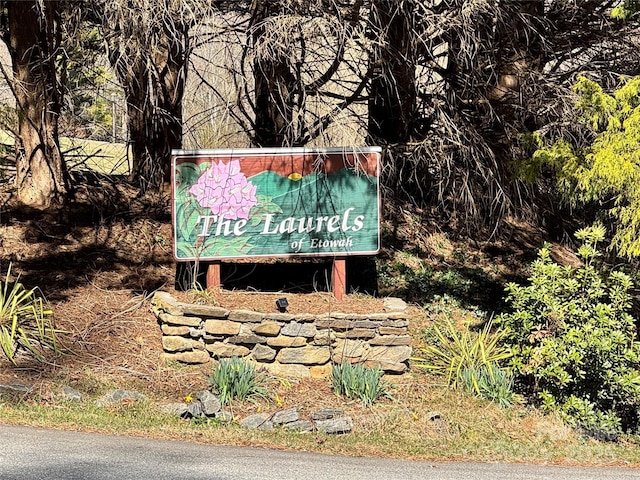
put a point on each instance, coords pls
(253, 203)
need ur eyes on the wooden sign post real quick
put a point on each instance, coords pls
(213, 278)
(339, 278)
(276, 202)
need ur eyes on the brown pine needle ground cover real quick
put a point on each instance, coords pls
(100, 260)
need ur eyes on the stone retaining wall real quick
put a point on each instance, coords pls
(288, 345)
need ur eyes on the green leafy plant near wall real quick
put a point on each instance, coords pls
(574, 344)
(25, 321)
(358, 381)
(236, 378)
(490, 382)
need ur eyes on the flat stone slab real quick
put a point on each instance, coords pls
(295, 329)
(267, 328)
(120, 395)
(179, 320)
(258, 420)
(226, 350)
(392, 304)
(221, 327)
(71, 394)
(15, 388)
(245, 316)
(263, 353)
(309, 355)
(336, 425)
(195, 357)
(286, 416)
(327, 413)
(209, 311)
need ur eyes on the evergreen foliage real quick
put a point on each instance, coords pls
(573, 341)
(608, 170)
(628, 10)
(88, 85)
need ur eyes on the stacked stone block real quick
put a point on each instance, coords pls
(287, 345)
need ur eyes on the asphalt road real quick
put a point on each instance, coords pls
(34, 454)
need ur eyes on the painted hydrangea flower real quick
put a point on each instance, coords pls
(225, 190)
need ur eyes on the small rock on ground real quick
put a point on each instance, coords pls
(335, 425)
(286, 416)
(258, 420)
(71, 394)
(14, 388)
(120, 395)
(327, 413)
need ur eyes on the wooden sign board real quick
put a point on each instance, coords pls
(275, 202)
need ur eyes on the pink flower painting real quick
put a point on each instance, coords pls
(225, 190)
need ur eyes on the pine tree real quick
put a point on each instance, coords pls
(608, 170)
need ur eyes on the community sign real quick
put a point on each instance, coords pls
(276, 202)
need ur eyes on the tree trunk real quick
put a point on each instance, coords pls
(275, 84)
(154, 89)
(392, 100)
(520, 50)
(42, 179)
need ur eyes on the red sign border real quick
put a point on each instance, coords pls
(247, 152)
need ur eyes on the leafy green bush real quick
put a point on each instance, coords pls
(358, 381)
(236, 378)
(25, 322)
(573, 341)
(455, 352)
(584, 415)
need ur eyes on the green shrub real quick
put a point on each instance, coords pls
(585, 416)
(25, 322)
(606, 169)
(418, 282)
(455, 352)
(573, 341)
(236, 378)
(358, 381)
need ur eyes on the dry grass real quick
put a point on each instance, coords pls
(102, 157)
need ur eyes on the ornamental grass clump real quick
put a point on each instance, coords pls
(25, 321)
(358, 381)
(462, 355)
(236, 378)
